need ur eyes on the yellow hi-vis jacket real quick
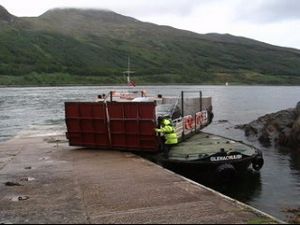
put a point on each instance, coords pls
(169, 133)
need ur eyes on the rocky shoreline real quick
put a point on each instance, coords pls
(280, 129)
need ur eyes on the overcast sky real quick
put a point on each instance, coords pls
(273, 21)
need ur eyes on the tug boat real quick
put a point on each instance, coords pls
(220, 157)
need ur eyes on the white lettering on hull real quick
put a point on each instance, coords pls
(225, 158)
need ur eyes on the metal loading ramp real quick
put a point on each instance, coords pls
(113, 125)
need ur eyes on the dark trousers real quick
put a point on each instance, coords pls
(167, 149)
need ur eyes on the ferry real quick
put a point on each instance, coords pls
(126, 121)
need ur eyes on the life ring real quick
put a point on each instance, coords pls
(127, 96)
(204, 120)
(199, 118)
(205, 117)
(188, 122)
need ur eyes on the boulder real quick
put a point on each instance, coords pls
(277, 129)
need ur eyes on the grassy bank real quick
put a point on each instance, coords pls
(56, 79)
(61, 79)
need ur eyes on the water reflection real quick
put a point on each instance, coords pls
(245, 187)
(294, 161)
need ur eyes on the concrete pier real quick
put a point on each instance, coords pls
(43, 180)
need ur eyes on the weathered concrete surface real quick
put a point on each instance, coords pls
(69, 185)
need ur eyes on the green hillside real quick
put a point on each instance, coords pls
(74, 46)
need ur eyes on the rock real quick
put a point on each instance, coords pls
(277, 129)
(294, 215)
(295, 133)
(19, 198)
(27, 179)
(222, 121)
(11, 184)
(298, 108)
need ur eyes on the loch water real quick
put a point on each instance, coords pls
(35, 111)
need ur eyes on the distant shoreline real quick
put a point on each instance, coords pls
(146, 85)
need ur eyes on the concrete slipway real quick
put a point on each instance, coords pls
(61, 184)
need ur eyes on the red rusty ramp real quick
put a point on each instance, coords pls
(127, 126)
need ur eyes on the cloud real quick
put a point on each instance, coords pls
(203, 17)
(147, 8)
(268, 11)
(143, 8)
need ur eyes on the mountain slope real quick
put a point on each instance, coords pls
(97, 43)
(5, 16)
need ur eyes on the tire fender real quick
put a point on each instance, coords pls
(225, 172)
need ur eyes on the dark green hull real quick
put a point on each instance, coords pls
(212, 156)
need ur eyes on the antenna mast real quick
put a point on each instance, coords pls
(128, 72)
